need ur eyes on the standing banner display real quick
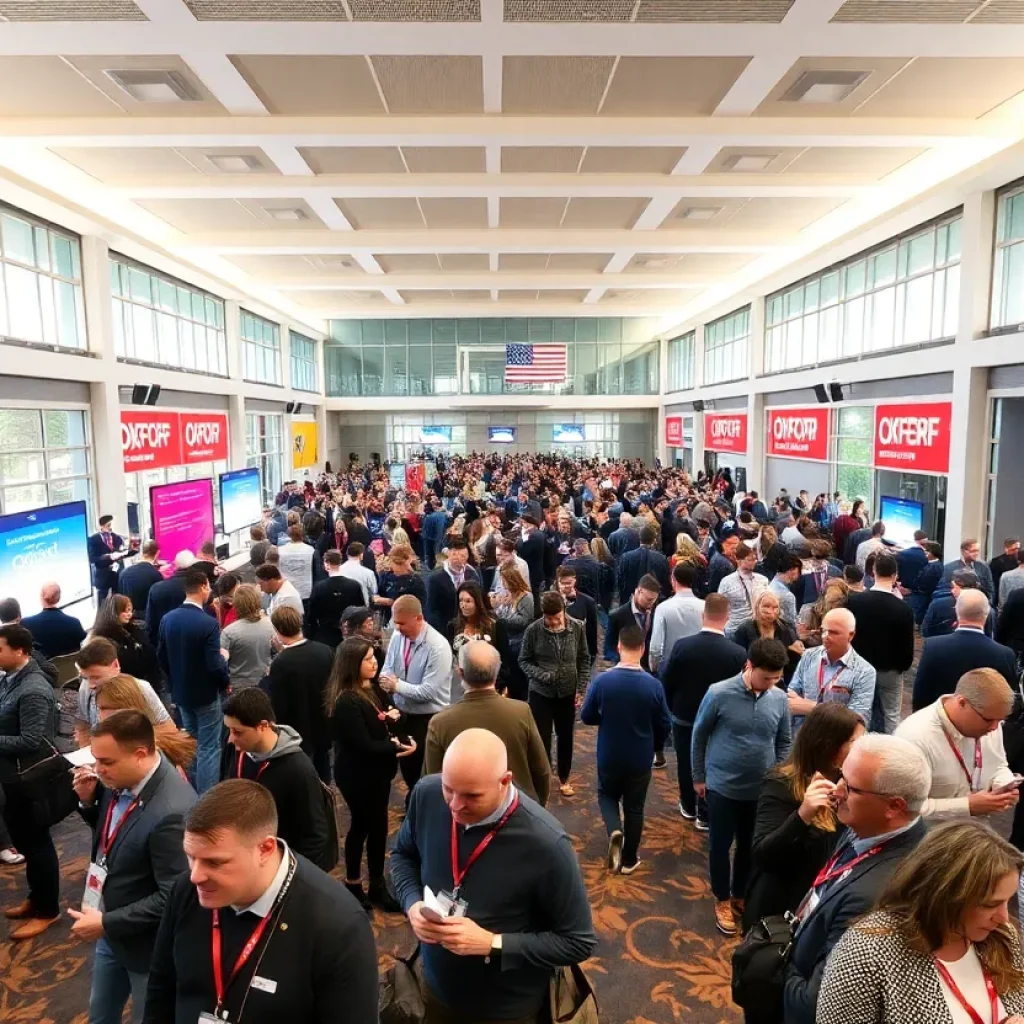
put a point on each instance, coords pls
(155, 439)
(396, 475)
(415, 477)
(913, 438)
(725, 432)
(798, 433)
(674, 431)
(304, 444)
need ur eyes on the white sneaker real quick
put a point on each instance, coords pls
(685, 813)
(629, 870)
(11, 856)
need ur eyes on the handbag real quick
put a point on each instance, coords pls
(45, 788)
(400, 1000)
(572, 997)
(759, 964)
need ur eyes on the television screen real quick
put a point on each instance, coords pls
(134, 526)
(501, 435)
(435, 435)
(241, 500)
(569, 433)
(182, 516)
(41, 545)
(901, 517)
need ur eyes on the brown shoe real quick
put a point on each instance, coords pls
(22, 910)
(32, 927)
(725, 922)
(738, 907)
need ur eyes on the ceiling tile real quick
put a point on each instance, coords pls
(719, 211)
(845, 160)
(778, 159)
(562, 294)
(519, 261)
(464, 262)
(191, 215)
(455, 213)
(353, 159)
(431, 85)
(70, 10)
(531, 212)
(341, 299)
(47, 87)
(671, 86)
(603, 213)
(311, 84)
(517, 295)
(907, 12)
(105, 163)
(698, 264)
(414, 10)
(786, 215)
(1000, 12)
(569, 10)
(631, 159)
(471, 295)
(268, 10)
(592, 261)
(446, 159)
(409, 263)
(337, 265)
(721, 11)
(539, 159)
(554, 85)
(371, 214)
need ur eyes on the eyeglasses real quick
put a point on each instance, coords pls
(988, 721)
(856, 789)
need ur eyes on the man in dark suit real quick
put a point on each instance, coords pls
(435, 523)
(139, 579)
(969, 558)
(532, 549)
(189, 653)
(946, 658)
(940, 618)
(624, 538)
(317, 960)
(722, 563)
(694, 664)
(106, 551)
(642, 561)
(444, 582)
(910, 561)
(587, 569)
(851, 882)
(1006, 562)
(579, 605)
(165, 596)
(637, 611)
(54, 631)
(328, 600)
(136, 804)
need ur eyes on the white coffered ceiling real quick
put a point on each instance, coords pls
(501, 157)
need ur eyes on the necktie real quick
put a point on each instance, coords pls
(110, 541)
(122, 804)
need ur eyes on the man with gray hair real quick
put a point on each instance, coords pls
(482, 707)
(884, 783)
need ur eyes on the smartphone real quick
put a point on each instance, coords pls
(1007, 787)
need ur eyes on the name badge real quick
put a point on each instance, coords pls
(264, 985)
(450, 906)
(95, 879)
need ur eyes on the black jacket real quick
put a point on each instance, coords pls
(164, 597)
(844, 900)
(28, 719)
(787, 854)
(137, 657)
(617, 621)
(695, 663)
(142, 864)
(321, 956)
(635, 564)
(296, 684)
(327, 603)
(946, 658)
(999, 565)
(532, 552)
(442, 598)
(588, 575)
(363, 751)
(584, 608)
(55, 632)
(104, 568)
(137, 581)
(1011, 621)
(718, 568)
(884, 635)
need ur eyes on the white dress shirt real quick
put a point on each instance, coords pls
(681, 615)
(742, 590)
(353, 569)
(265, 903)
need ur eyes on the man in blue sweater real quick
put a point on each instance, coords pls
(629, 708)
(742, 729)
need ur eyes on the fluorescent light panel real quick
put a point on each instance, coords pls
(154, 86)
(823, 86)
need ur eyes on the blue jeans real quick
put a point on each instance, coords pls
(206, 724)
(112, 984)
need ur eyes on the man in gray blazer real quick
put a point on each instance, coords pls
(136, 803)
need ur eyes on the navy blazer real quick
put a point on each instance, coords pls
(442, 598)
(189, 653)
(636, 564)
(164, 597)
(946, 658)
(104, 573)
(980, 569)
(55, 632)
(910, 562)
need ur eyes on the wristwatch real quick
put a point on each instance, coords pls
(495, 950)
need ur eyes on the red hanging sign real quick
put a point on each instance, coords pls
(204, 437)
(150, 440)
(913, 438)
(798, 434)
(726, 432)
(674, 431)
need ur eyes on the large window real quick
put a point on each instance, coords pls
(303, 360)
(1008, 275)
(727, 348)
(40, 283)
(265, 449)
(682, 360)
(44, 458)
(160, 320)
(261, 349)
(904, 293)
(853, 450)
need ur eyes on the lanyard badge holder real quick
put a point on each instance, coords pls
(96, 876)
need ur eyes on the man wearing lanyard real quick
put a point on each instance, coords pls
(961, 737)
(742, 588)
(879, 796)
(492, 888)
(832, 672)
(253, 933)
(418, 671)
(135, 802)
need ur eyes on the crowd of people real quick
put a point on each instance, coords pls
(451, 636)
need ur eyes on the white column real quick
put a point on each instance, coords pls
(236, 400)
(322, 440)
(698, 384)
(660, 447)
(698, 443)
(236, 431)
(234, 339)
(755, 402)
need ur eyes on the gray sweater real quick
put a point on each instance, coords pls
(556, 663)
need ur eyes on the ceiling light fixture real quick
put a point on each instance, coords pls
(157, 85)
(285, 213)
(230, 163)
(700, 212)
(823, 86)
(748, 162)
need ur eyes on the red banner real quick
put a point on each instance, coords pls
(415, 477)
(725, 432)
(154, 439)
(913, 438)
(798, 433)
(204, 437)
(674, 431)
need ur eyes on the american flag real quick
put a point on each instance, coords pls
(535, 364)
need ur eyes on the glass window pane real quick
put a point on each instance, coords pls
(17, 239)
(73, 462)
(856, 421)
(63, 257)
(23, 499)
(64, 428)
(921, 253)
(24, 315)
(76, 489)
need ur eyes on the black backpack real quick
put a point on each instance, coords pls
(759, 965)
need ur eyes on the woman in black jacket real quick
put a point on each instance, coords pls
(767, 625)
(476, 621)
(365, 761)
(135, 654)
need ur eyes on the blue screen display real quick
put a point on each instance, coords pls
(901, 518)
(241, 502)
(569, 433)
(436, 435)
(501, 435)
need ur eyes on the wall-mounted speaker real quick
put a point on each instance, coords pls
(820, 393)
(145, 394)
(835, 389)
(289, 407)
(698, 405)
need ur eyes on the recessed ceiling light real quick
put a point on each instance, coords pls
(748, 161)
(230, 163)
(652, 264)
(285, 212)
(336, 262)
(823, 86)
(701, 213)
(154, 86)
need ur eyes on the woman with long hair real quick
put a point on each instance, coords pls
(366, 753)
(606, 580)
(766, 624)
(247, 644)
(514, 608)
(835, 595)
(135, 653)
(687, 551)
(475, 621)
(940, 944)
(399, 578)
(223, 601)
(796, 829)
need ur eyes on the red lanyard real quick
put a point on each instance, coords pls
(106, 836)
(963, 763)
(243, 957)
(993, 995)
(830, 871)
(407, 654)
(259, 771)
(457, 875)
(824, 691)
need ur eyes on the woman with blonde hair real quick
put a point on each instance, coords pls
(606, 577)
(399, 578)
(687, 551)
(835, 595)
(766, 623)
(247, 644)
(940, 945)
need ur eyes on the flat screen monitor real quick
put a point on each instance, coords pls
(182, 516)
(134, 526)
(901, 517)
(435, 435)
(569, 433)
(501, 435)
(45, 544)
(241, 500)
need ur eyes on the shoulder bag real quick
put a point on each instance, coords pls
(400, 1000)
(45, 786)
(571, 997)
(759, 965)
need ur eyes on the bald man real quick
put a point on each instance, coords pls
(54, 632)
(833, 672)
(518, 910)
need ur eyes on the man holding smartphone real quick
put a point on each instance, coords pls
(961, 737)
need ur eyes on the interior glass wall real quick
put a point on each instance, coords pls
(682, 362)
(302, 354)
(727, 348)
(853, 451)
(1008, 273)
(261, 348)
(265, 449)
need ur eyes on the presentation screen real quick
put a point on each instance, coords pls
(435, 435)
(241, 502)
(182, 516)
(569, 433)
(41, 545)
(901, 518)
(501, 435)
